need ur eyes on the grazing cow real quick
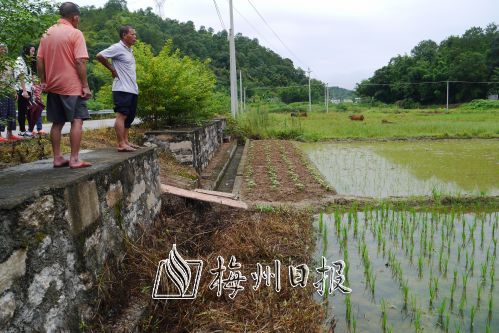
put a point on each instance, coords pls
(358, 117)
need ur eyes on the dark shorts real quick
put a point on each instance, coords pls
(7, 113)
(126, 104)
(63, 108)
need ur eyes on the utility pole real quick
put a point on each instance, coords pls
(447, 108)
(241, 90)
(244, 99)
(327, 98)
(309, 92)
(233, 72)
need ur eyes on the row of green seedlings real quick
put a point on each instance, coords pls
(291, 168)
(385, 220)
(469, 271)
(397, 273)
(443, 262)
(433, 288)
(378, 228)
(313, 171)
(271, 169)
(250, 181)
(434, 282)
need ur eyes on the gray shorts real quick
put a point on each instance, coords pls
(63, 108)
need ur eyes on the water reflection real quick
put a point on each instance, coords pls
(409, 168)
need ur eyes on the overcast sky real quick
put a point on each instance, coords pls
(342, 42)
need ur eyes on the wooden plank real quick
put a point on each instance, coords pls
(203, 197)
(216, 193)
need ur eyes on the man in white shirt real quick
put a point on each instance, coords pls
(125, 89)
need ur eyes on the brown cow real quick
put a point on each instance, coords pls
(358, 117)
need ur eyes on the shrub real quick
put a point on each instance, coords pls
(481, 104)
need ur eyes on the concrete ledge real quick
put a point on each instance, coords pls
(192, 146)
(59, 227)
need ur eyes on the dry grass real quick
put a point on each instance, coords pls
(203, 232)
(170, 166)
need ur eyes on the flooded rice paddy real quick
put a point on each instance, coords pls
(413, 271)
(385, 169)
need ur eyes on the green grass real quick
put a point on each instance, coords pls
(318, 125)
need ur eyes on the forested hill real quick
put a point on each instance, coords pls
(260, 65)
(472, 57)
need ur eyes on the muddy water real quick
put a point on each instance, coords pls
(406, 236)
(384, 169)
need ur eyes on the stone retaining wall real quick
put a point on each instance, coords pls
(191, 146)
(59, 226)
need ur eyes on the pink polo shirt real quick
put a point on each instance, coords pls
(59, 48)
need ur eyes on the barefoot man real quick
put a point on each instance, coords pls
(62, 59)
(125, 89)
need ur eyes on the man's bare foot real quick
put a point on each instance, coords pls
(60, 162)
(133, 145)
(126, 149)
(79, 164)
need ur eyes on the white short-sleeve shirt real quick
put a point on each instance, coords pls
(124, 63)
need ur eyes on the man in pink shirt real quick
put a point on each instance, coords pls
(62, 59)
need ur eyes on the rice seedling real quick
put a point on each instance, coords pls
(440, 257)
(405, 292)
(373, 283)
(483, 269)
(478, 293)
(472, 317)
(492, 273)
(482, 234)
(462, 303)
(348, 313)
(417, 321)
(463, 235)
(384, 315)
(355, 225)
(465, 281)
(420, 267)
(433, 293)
(452, 290)
(354, 325)
(459, 254)
(447, 322)
(441, 311)
(446, 265)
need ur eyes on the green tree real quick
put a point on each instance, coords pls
(21, 22)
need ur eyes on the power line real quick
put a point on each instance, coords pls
(275, 34)
(285, 87)
(426, 82)
(252, 26)
(219, 15)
